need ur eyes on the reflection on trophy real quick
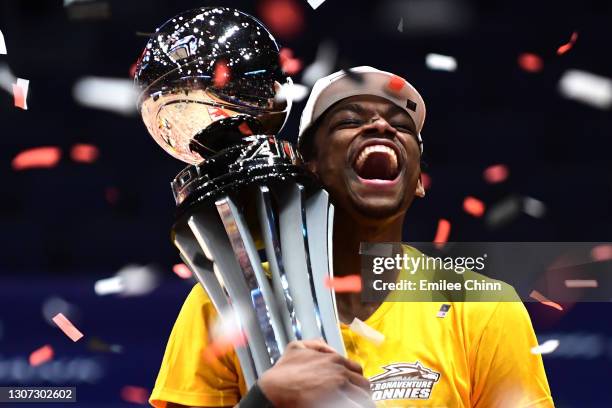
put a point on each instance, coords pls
(209, 81)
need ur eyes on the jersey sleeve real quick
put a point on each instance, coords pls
(188, 375)
(505, 372)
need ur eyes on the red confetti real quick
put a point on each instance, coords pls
(530, 62)
(602, 253)
(396, 83)
(136, 395)
(67, 327)
(112, 195)
(182, 271)
(426, 180)
(284, 17)
(290, 65)
(442, 233)
(19, 95)
(473, 206)
(343, 284)
(84, 153)
(544, 300)
(38, 157)
(568, 46)
(222, 74)
(133, 69)
(41, 355)
(495, 174)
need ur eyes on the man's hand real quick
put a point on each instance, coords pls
(311, 374)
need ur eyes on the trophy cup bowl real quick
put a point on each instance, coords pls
(209, 82)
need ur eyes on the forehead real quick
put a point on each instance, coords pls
(367, 104)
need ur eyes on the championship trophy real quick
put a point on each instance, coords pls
(210, 95)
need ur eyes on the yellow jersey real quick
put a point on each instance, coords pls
(435, 354)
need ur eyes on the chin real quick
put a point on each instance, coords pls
(377, 208)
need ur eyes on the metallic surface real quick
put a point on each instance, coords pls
(205, 65)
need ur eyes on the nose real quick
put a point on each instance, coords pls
(379, 125)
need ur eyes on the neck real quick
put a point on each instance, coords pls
(349, 233)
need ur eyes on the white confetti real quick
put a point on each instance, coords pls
(440, 62)
(112, 94)
(293, 92)
(109, 286)
(545, 348)
(323, 65)
(400, 26)
(7, 78)
(365, 331)
(2, 44)
(581, 283)
(588, 88)
(315, 3)
(138, 280)
(534, 207)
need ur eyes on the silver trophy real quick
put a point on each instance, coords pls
(210, 85)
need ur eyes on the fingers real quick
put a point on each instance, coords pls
(359, 380)
(318, 345)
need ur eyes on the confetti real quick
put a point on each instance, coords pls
(533, 207)
(602, 253)
(36, 158)
(588, 88)
(568, 46)
(20, 93)
(495, 174)
(362, 329)
(426, 180)
(473, 206)
(503, 212)
(396, 83)
(96, 344)
(67, 327)
(109, 286)
(544, 300)
(285, 18)
(84, 153)
(581, 283)
(315, 3)
(116, 95)
(439, 62)
(41, 355)
(344, 284)
(545, 348)
(136, 395)
(138, 280)
(54, 305)
(442, 232)
(2, 44)
(324, 63)
(245, 129)
(292, 92)
(289, 65)
(221, 74)
(530, 62)
(400, 26)
(182, 271)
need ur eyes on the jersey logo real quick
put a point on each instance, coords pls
(403, 381)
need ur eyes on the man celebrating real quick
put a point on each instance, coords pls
(360, 135)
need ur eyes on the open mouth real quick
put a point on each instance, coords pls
(377, 162)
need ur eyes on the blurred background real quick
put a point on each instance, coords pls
(517, 145)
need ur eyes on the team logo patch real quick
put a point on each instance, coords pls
(403, 381)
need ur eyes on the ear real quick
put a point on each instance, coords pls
(420, 190)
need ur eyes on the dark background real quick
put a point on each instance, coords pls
(60, 232)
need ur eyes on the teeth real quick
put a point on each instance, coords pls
(377, 148)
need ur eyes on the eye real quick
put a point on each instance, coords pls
(403, 127)
(348, 123)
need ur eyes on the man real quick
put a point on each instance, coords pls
(360, 135)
